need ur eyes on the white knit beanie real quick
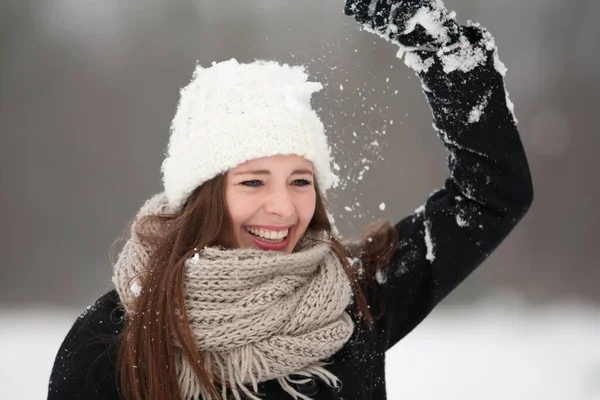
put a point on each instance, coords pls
(231, 113)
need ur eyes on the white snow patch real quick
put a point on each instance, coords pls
(460, 221)
(501, 68)
(477, 111)
(416, 63)
(462, 57)
(431, 20)
(430, 256)
(380, 277)
(331, 219)
(373, 7)
(401, 51)
(546, 352)
(549, 352)
(499, 65)
(356, 264)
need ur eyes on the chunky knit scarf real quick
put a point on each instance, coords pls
(255, 315)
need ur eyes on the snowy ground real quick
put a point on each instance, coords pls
(494, 350)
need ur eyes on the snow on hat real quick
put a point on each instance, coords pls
(231, 113)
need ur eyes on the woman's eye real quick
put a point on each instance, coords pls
(252, 183)
(302, 182)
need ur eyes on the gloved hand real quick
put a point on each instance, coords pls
(420, 24)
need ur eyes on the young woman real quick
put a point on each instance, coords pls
(233, 284)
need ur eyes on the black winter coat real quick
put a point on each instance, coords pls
(487, 192)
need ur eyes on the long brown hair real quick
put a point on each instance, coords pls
(146, 361)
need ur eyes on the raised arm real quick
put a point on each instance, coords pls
(489, 187)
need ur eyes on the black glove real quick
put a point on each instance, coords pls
(412, 23)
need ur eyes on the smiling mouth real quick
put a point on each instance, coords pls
(269, 236)
(267, 239)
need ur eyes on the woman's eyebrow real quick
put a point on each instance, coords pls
(267, 172)
(254, 172)
(302, 172)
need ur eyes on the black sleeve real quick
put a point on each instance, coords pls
(487, 192)
(85, 364)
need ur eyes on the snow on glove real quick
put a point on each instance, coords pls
(418, 24)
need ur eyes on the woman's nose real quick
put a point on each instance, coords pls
(280, 203)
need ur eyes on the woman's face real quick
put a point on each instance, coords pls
(271, 200)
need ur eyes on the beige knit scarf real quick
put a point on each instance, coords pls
(255, 315)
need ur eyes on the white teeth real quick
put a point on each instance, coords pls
(268, 234)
